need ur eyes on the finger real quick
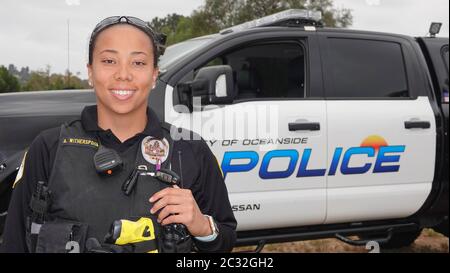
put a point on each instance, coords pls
(164, 192)
(181, 200)
(160, 194)
(171, 200)
(168, 210)
(166, 200)
(178, 219)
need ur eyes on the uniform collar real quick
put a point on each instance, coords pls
(89, 119)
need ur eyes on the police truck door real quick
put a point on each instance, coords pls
(381, 128)
(271, 141)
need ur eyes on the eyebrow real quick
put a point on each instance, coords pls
(109, 51)
(138, 52)
(116, 52)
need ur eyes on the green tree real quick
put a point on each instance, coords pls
(44, 80)
(227, 13)
(177, 27)
(215, 15)
(8, 83)
(38, 81)
(168, 23)
(57, 82)
(74, 82)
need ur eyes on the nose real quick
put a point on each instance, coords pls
(123, 73)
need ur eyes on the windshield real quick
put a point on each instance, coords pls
(176, 52)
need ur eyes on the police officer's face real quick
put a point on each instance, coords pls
(122, 70)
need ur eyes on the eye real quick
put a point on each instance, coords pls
(139, 63)
(108, 61)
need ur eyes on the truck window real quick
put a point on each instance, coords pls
(176, 52)
(267, 70)
(366, 68)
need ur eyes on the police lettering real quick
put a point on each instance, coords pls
(384, 159)
(80, 141)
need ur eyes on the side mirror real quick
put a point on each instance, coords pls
(213, 84)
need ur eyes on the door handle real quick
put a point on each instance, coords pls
(417, 124)
(304, 126)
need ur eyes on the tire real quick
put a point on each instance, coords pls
(442, 228)
(398, 239)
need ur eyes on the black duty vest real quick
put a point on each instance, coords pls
(79, 194)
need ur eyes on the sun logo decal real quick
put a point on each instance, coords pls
(374, 141)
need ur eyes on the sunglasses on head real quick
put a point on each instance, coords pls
(158, 39)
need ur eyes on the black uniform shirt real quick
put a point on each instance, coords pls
(201, 174)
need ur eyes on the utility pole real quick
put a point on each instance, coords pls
(68, 53)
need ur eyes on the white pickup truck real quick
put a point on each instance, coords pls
(320, 132)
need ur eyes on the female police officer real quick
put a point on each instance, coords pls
(94, 170)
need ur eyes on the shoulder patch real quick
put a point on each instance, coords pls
(20, 172)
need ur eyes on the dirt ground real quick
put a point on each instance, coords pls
(428, 242)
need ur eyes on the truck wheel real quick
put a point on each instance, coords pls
(398, 239)
(5, 197)
(442, 228)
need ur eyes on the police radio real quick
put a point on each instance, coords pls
(107, 161)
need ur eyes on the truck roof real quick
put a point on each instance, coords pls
(289, 20)
(219, 36)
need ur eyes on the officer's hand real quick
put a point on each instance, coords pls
(179, 206)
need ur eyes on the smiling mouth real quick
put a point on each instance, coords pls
(122, 94)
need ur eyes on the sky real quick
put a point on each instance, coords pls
(35, 33)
